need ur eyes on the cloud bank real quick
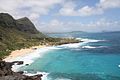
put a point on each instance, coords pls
(69, 9)
(30, 8)
(59, 26)
(34, 9)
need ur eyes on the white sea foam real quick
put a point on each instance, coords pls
(76, 45)
(118, 65)
(44, 77)
(31, 57)
(92, 47)
(89, 40)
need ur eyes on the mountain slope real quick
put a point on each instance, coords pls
(17, 34)
(7, 20)
(21, 33)
(25, 25)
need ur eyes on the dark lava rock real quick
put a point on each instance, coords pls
(7, 74)
(36, 77)
(26, 64)
(21, 72)
(18, 62)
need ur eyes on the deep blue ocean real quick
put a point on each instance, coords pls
(98, 58)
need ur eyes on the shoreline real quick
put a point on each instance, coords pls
(17, 53)
(27, 55)
(22, 52)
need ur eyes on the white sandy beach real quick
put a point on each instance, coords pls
(22, 52)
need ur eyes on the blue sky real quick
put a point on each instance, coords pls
(67, 15)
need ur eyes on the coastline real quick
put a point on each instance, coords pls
(28, 55)
(37, 50)
(21, 52)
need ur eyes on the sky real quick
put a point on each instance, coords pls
(66, 15)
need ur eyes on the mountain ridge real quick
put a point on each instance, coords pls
(22, 24)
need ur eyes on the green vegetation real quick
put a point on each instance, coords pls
(21, 33)
(17, 34)
(12, 39)
(60, 41)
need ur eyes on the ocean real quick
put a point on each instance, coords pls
(97, 58)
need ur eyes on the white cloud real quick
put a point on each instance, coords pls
(33, 9)
(99, 25)
(99, 8)
(68, 9)
(29, 8)
(87, 11)
(52, 26)
(106, 4)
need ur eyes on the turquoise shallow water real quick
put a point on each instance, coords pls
(94, 60)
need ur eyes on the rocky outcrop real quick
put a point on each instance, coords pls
(18, 62)
(7, 74)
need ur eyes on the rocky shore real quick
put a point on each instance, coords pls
(6, 72)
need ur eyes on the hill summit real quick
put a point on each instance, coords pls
(23, 24)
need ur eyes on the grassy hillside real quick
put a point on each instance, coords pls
(12, 39)
(17, 34)
(21, 33)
